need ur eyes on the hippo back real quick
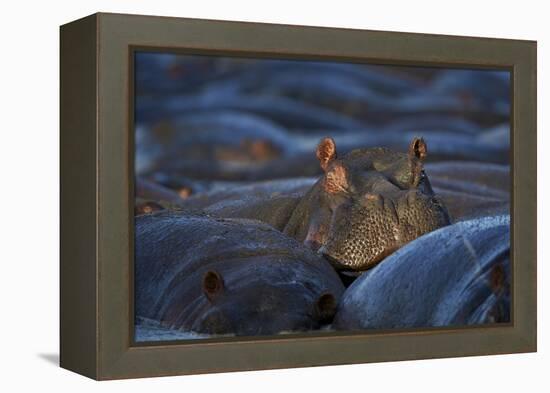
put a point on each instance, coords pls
(457, 275)
(268, 283)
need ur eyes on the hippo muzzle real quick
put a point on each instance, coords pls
(363, 233)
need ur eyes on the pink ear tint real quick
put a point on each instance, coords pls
(326, 152)
(418, 149)
(336, 179)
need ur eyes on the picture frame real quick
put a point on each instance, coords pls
(96, 261)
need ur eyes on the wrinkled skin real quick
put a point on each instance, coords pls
(366, 205)
(229, 276)
(472, 189)
(457, 275)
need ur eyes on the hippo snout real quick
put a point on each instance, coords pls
(378, 226)
(418, 214)
(267, 309)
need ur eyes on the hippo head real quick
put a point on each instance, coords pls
(367, 204)
(262, 309)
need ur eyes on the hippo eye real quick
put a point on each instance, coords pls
(403, 181)
(418, 179)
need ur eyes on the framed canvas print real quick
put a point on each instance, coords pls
(240, 196)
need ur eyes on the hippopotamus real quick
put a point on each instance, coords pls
(256, 76)
(491, 176)
(237, 146)
(456, 275)
(336, 91)
(229, 276)
(472, 189)
(284, 111)
(146, 206)
(146, 189)
(434, 123)
(210, 144)
(161, 73)
(151, 197)
(488, 89)
(264, 158)
(366, 205)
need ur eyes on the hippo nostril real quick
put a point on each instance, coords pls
(312, 244)
(322, 250)
(436, 201)
(373, 197)
(376, 199)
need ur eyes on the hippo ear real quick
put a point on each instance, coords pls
(326, 152)
(336, 179)
(146, 207)
(212, 284)
(185, 192)
(418, 149)
(325, 307)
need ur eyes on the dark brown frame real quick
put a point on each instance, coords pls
(97, 183)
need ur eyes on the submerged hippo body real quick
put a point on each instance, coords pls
(472, 189)
(251, 149)
(229, 276)
(457, 275)
(219, 144)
